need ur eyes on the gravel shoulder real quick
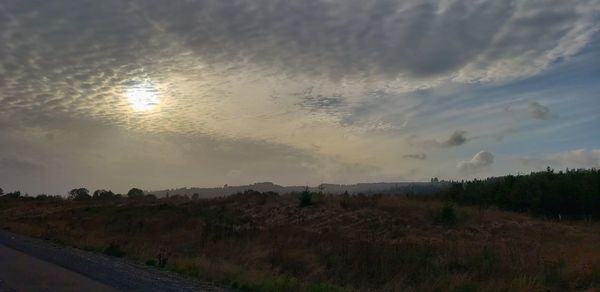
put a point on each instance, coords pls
(118, 273)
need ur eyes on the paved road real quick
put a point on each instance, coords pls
(28, 264)
(21, 272)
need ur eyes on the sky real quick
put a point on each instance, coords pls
(156, 94)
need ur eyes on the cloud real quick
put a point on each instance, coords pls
(457, 138)
(386, 38)
(316, 102)
(20, 164)
(382, 70)
(479, 162)
(580, 158)
(61, 59)
(341, 39)
(538, 111)
(418, 156)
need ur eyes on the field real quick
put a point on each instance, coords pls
(267, 242)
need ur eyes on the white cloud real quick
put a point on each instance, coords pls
(480, 161)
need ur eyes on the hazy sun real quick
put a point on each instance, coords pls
(142, 97)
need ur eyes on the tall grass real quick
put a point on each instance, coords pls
(265, 242)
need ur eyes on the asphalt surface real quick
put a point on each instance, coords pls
(22, 272)
(28, 264)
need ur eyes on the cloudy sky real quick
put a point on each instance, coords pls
(159, 94)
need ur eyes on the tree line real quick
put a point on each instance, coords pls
(570, 194)
(82, 194)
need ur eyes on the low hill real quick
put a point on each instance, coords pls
(365, 188)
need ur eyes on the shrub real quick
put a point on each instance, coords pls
(446, 215)
(305, 198)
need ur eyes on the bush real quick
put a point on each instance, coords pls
(446, 215)
(305, 198)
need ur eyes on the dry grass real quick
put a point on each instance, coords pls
(268, 243)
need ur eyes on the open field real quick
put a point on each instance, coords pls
(266, 242)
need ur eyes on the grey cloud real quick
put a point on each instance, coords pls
(386, 38)
(71, 59)
(479, 162)
(456, 139)
(418, 156)
(316, 102)
(377, 112)
(316, 37)
(20, 164)
(538, 111)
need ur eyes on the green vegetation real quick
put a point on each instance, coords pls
(573, 194)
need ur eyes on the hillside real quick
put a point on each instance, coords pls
(266, 242)
(364, 188)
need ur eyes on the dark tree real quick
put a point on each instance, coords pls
(13, 195)
(42, 197)
(103, 195)
(573, 194)
(79, 194)
(135, 193)
(306, 198)
(1, 192)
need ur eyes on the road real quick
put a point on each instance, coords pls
(21, 272)
(28, 264)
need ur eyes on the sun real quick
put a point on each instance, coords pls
(143, 97)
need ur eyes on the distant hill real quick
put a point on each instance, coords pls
(420, 188)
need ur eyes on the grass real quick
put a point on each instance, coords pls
(345, 243)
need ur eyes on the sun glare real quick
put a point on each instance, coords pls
(142, 97)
